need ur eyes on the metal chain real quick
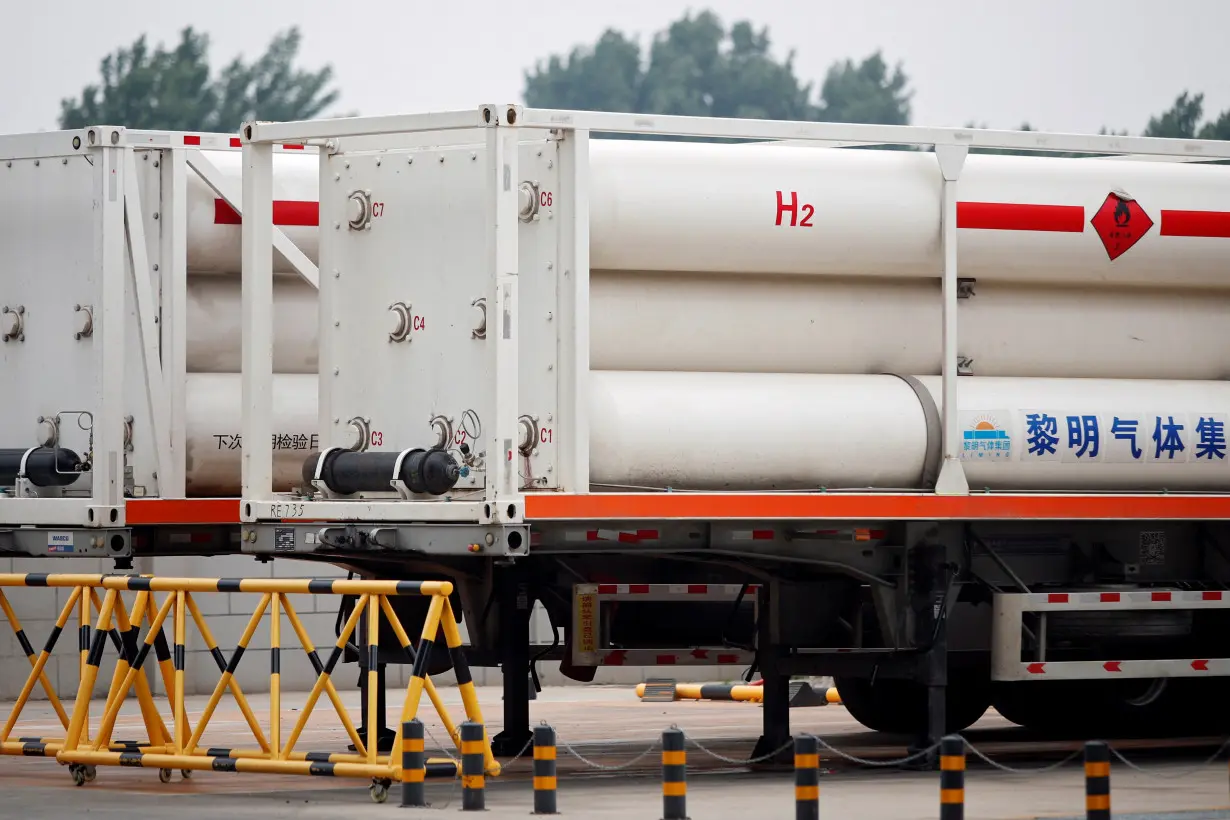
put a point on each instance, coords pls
(1011, 770)
(1168, 775)
(443, 748)
(878, 763)
(599, 766)
(788, 744)
(528, 744)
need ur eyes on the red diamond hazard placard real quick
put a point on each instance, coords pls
(1120, 223)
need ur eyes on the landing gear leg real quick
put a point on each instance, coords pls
(515, 607)
(929, 601)
(776, 712)
(384, 735)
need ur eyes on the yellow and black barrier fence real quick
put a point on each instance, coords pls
(180, 745)
(745, 693)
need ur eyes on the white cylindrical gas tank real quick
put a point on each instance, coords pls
(214, 234)
(753, 431)
(715, 208)
(794, 324)
(678, 321)
(670, 206)
(215, 325)
(749, 431)
(213, 443)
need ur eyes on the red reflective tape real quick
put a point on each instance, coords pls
(1112, 666)
(1211, 224)
(1160, 596)
(1036, 668)
(700, 654)
(286, 212)
(1200, 666)
(697, 589)
(1006, 216)
(728, 659)
(638, 589)
(608, 589)
(592, 535)
(292, 147)
(627, 538)
(665, 660)
(616, 658)
(1057, 598)
(191, 140)
(762, 535)
(1110, 597)
(235, 142)
(651, 534)
(1211, 595)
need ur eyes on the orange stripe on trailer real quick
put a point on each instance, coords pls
(905, 507)
(182, 511)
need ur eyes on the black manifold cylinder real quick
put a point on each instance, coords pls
(45, 466)
(345, 472)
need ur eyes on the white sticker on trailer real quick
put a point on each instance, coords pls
(1076, 435)
(59, 542)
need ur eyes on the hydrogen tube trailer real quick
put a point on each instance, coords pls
(946, 424)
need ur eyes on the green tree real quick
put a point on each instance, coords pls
(1183, 121)
(172, 89)
(697, 67)
(865, 93)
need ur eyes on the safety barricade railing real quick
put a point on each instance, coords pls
(176, 742)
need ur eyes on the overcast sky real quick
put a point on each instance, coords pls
(1064, 65)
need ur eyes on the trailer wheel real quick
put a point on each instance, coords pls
(900, 707)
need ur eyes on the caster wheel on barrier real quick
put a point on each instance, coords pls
(91, 773)
(379, 792)
(164, 775)
(78, 774)
(186, 774)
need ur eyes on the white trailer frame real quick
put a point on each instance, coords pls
(1008, 611)
(122, 222)
(503, 502)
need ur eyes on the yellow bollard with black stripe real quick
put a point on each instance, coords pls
(1097, 780)
(413, 765)
(674, 776)
(806, 778)
(544, 771)
(952, 778)
(473, 797)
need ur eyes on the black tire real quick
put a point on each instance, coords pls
(900, 707)
(1083, 709)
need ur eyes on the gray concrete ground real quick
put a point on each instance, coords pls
(864, 795)
(584, 716)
